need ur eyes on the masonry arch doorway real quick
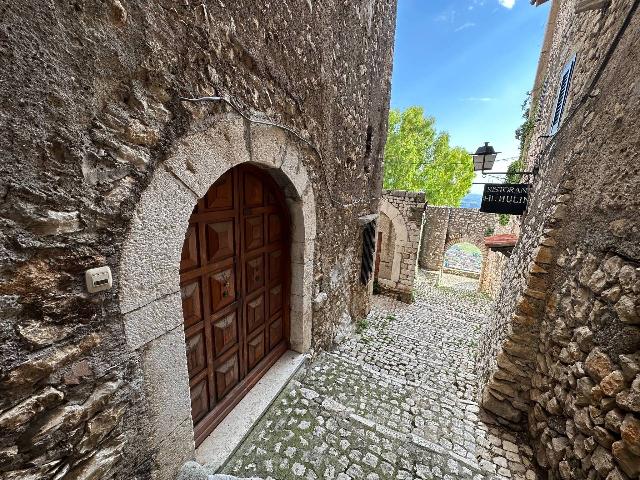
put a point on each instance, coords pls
(149, 277)
(391, 239)
(234, 280)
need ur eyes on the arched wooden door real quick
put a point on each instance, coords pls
(235, 284)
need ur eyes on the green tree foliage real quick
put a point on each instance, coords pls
(417, 158)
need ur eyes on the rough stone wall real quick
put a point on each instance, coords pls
(493, 265)
(400, 241)
(446, 226)
(561, 353)
(89, 104)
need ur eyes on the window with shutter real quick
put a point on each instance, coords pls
(368, 251)
(563, 93)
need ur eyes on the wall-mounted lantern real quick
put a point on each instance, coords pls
(484, 158)
(505, 198)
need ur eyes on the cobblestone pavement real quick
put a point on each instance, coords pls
(455, 281)
(394, 402)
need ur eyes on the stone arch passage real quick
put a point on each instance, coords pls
(148, 276)
(453, 242)
(446, 226)
(400, 236)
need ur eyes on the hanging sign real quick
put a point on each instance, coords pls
(509, 198)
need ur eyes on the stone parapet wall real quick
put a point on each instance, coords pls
(400, 223)
(560, 355)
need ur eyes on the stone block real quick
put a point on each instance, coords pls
(201, 158)
(153, 320)
(166, 385)
(626, 460)
(28, 409)
(598, 365)
(43, 365)
(150, 262)
(630, 432)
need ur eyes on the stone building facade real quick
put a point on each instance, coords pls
(103, 165)
(398, 241)
(561, 356)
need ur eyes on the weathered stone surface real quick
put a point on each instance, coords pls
(630, 365)
(627, 461)
(629, 399)
(598, 365)
(630, 431)
(613, 383)
(602, 461)
(99, 427)
(613, 420)
(627, 309)
(71, 415)
(34, 370)
(98, 465)
(25, 411)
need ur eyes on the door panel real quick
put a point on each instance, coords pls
(191, 303)
(189, 258)
(253, 232)
(227, 376)
(220, 240)
(255, 313)
(196, 353)
(235, 291)
(222, 289)
(199, 401)
(255, 274)
(225, 333)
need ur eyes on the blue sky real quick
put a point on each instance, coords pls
(469, 63)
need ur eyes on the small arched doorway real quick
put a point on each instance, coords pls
(235, 289)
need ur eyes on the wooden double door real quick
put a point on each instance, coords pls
(235, 284)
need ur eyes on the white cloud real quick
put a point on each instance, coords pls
(507, 3)
(465, 25)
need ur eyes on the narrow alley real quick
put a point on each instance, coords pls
(395, 401)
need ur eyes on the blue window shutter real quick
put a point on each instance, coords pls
(563, 93)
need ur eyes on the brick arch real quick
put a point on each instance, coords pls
(401, 233)
(148, 274)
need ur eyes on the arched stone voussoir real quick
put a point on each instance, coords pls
(149, 265)
(200, 158)
(396, 220)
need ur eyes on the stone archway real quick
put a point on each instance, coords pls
(401, 237)
(473, 240)
(148, 277)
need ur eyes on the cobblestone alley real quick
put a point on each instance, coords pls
(395, 402)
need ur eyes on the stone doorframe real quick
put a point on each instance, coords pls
(402, 236)
(149, 277)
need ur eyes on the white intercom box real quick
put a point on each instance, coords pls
(98, 279)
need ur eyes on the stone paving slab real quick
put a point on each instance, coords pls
(397, 401)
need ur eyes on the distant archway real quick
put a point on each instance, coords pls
(464, 257)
